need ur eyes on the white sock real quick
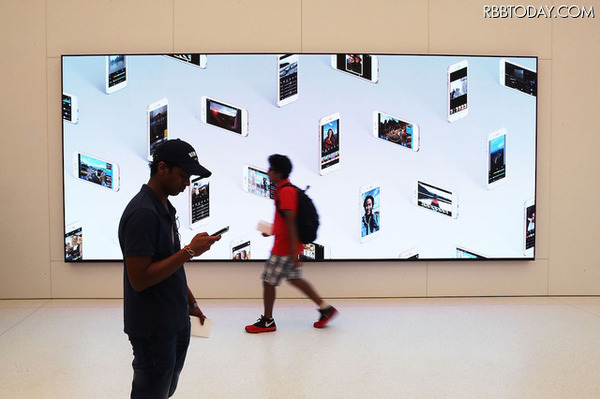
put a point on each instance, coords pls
(323, 305)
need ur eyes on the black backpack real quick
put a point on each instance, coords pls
(307, 219)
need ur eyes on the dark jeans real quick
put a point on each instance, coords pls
(157, 362)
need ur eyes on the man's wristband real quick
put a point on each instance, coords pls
(190, 251)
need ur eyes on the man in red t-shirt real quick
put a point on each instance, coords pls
(284, 261)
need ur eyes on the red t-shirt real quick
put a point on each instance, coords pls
(285, 198)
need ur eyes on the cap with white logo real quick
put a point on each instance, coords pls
(181, 154)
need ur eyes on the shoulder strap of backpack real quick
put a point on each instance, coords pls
(285, 185)
(296, 187)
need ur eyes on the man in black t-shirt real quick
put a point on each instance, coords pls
(157, 301)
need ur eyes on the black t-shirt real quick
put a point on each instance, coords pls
(148, 229)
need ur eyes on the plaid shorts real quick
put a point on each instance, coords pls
(278, 267)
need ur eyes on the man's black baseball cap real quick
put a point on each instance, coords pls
(182, 154)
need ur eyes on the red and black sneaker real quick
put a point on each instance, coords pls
(326, 315)
(262, 325)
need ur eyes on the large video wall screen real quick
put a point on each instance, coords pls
(406, 156)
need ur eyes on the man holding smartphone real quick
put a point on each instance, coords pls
(284, 261)
(157, 301)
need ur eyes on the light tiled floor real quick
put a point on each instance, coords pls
(406, 348)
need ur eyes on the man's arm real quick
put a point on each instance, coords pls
(292, 230)
(193, 308)
(144, 273)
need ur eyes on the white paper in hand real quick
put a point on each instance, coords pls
(264, 227)
(199, 330)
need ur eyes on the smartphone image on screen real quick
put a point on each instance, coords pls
(198, 60)
(529, 228)
(287, 81)
(73, 242)
(364, 66)
(116, 73)
(220, 231)
(224, 116)
(410, 254)
(96, 171)
(463, 253)
(518, 77)
(458, 86)
(256, 181)
(436, 199)
(496, 158)
(314, 251)
(199, 208)
(157, 122)
(70, 108)
(329, 143)
(395, 130)
(240, 249)
(370, 212)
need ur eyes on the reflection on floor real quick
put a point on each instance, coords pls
(393, 348)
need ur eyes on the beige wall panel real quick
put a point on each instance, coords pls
(237, 26)
(230, 280)
(25, 266)
(331, 280)
(544, 158)
(87, 280)
(460, 28)
(105, 26)
(210, 280)
(368, 26)
(493, 278)
(206, 280)
(575, 224)
(55, 157)
(369, 279)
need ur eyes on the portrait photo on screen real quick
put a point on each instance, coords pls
(371, 217)
(406, 157)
